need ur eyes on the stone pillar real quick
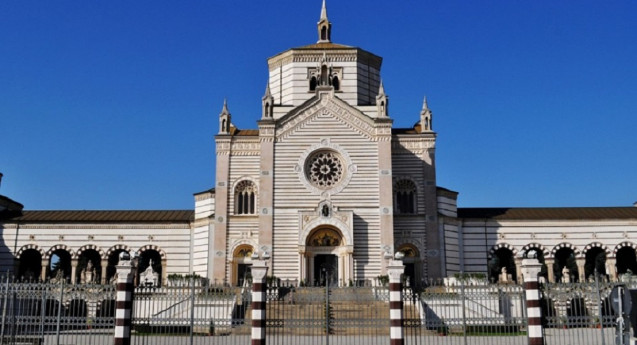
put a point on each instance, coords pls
(124, 300)
(395, 269)
(611, 269)
(73, 271)
(549, 262)
(580, 269)
(259, 273)
(530, 269)
(104, 266)
(45, 267)
(518, 269)
(163, 279)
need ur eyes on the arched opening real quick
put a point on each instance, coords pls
(313, 83)
(626, 261)
(223, 125)
(336, 83)
(539, 255)
(324, 76)
(245, 197)
(595, 260)
(324, 33)
(411, 260)
(327, 259)
(30, 266)
(113, 260)
(405, 197)
(60, 265)
(149, 268)
(502, 266)
(242, 265)
(267, 109)
(89, 267)
(565, 267)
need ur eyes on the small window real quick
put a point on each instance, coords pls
(405, 197)
(313, 83)
(335, 83)
(245, 196)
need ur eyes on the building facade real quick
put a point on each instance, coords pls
(326, 189)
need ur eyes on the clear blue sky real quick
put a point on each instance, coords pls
(114, 104)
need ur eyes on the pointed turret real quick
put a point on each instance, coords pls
(224, 119)
(382, 101)
(266, 103)
(324, 27)
(425, 117)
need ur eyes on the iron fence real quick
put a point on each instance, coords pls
(56, 313)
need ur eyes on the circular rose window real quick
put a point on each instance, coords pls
(324, 169)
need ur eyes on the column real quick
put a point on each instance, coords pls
(124, 300)
(73, 270)
(259, 273)
(530, 269)
(45, 267)
(518, 270)
(104, 264)
(164, 266)
(611, 269)
(395, 269)
(549, 268)
(581, 262)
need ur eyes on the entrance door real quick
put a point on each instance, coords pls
(326, 268)
(243, 273)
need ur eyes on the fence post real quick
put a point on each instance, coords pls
(395, 269)
(530, 269)
(124, 300)
(259, 273)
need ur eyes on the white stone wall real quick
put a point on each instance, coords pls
(202, 229)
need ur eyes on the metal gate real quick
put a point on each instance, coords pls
(327, 315)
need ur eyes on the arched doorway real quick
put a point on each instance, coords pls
(89, 267)
(411, 260)
(60, 265)
(327, 259)
(539, 255)
(112, 261)
(595, 260)
(502, 266)
(150, 262)
(626, 260)
(565, 263)
(30, 266)
(242, 264)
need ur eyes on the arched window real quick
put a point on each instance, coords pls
(324, 76)
(313, 83)
(245, 197)
(336, 83)
(405, 197)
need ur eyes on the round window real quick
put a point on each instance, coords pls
(324, 169)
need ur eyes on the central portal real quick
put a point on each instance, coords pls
(326, 269)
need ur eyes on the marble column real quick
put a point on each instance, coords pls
(549, 262)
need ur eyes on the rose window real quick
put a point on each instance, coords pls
(324, 169)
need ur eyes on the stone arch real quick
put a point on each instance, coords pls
(408, 249)
(596, 245)
(156, 248)
(623, 245)
(115, 248)
(236, 245)
(565, 245)
(56, 247)
(500, 246)
(412, 262)
(89, 247)
(331, 222)
(534, 245)
(27, 247)
(241, 261)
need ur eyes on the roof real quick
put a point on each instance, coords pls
(549, 213)
(145, 216)
(326, 45)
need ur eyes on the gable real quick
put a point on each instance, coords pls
(326, 105)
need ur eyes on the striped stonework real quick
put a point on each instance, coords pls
(259, 272)
(530, 270)
(123, 303)
(395, 271)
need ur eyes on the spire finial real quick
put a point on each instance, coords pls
(425, 106)
(381, 89)
(267, 90)
(324, 26)
(225, 106)
(323, 12)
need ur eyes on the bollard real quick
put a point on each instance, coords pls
(124, 300)
(395, 271)
(259, 272)
(530, 269)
